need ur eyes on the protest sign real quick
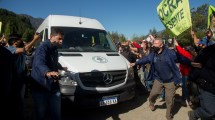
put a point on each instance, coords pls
(175, 15)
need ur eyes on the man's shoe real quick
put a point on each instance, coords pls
(152, 107)
(192, 115)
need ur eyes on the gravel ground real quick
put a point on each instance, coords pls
(135, 109)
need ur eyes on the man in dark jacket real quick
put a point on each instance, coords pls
(164, 72)
(45, 91)
(18, 49)
(8, 83)
(204, 77)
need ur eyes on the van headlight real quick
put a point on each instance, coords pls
(130, 73)
(66, 79)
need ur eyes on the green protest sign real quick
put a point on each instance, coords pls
(211, 19)
(211, 15)
(175, 15)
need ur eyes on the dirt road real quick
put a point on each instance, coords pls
(135, 109)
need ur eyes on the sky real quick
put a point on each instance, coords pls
(127, 17)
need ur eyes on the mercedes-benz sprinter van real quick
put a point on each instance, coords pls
(97, 74)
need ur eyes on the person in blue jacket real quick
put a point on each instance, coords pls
(45, 88)
(164, 72)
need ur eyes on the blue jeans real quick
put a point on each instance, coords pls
(206, 110)
(184, 87)
(148, 83)
(47, 102)
(143, 78)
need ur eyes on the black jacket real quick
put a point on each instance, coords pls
(207, 73)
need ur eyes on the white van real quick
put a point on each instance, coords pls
(98, 76)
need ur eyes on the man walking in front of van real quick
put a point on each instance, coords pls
(164, 72)
(45, 88)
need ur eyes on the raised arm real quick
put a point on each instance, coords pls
(181, 51)
(195, 39)
(27, 47)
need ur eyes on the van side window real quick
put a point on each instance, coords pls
(46, 34)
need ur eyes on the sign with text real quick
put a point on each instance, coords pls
(211, 15)
(211, 19)
(175, 15)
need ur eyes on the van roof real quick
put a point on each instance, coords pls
(71, 21)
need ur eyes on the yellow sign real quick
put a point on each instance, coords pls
(211, 15)
(175, 15)
(211, 19)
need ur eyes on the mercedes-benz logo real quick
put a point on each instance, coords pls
(100, 59)
(107, 78)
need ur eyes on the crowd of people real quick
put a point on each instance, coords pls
(161, 68)
(14, 73)
(20, 64)
(158, 68)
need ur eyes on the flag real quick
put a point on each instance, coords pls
(211, 10)
(211, 19)
(175, 15)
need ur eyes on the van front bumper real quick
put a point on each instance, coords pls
(88, 98)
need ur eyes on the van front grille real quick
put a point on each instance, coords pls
(103, 78)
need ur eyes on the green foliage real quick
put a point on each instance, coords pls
(199, 22)
(153, 31)
(185, 39)
(116, 37)
(28, 35)
(122, 38)
(13, 23)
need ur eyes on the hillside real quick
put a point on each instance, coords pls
(35, 22)
(22, 24)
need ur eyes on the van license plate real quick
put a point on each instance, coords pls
(108, 101)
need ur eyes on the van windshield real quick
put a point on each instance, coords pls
(86, 40)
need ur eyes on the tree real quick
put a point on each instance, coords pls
(14, 23)
(28, 35)
(122, 38)
(153, 31)
(7, 29)
(116, 37)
